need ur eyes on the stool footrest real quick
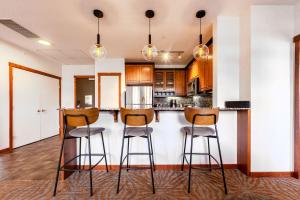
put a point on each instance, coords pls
(206, 154)
(63, 168)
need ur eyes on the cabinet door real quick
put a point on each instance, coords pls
(169, 80)
(132, 74)
(202, 74)
(159, 80)
(26, 108)
(180, 85)
(49, 101)
(146, 74)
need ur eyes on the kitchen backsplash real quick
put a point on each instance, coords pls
(200, 101)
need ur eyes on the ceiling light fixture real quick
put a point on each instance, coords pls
(201, 50)
(98, 51)
(166, 56)
(149, 51)
(179, 56)
(44, 42)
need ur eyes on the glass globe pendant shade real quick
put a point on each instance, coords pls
(98, 51)
(200, 51)
(149, 52)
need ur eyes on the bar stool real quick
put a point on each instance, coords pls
(203, 117)
(77, 125)
(137, 120)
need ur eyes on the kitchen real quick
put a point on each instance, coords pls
(149, 84)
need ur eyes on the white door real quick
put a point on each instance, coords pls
(36, 100)
(49, 96)
(26, 103)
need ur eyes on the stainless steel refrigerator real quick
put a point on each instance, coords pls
(139, 96)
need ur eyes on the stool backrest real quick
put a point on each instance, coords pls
(201, 116)
(136, 117)
(80, 117)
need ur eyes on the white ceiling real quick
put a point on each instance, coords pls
(71, 27)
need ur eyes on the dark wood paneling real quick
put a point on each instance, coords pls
(244, 141)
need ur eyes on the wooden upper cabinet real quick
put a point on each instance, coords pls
(169, 81)
(159, 80)
(180, 82)
(138, 74)
(132, 74)
(202, 69)
(146, 74)
(164, 80)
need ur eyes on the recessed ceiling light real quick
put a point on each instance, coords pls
(179, 56)
(44, 42)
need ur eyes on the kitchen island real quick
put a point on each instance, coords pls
(168, 139)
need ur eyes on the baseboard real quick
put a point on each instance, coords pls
(272, 174)
(7, 150)
(160, 167)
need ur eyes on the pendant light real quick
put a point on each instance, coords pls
(201, 50)
(98, 51)
(149, 52)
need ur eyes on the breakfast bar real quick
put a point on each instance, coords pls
(233, 127)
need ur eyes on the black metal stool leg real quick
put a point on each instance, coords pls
(104, 152)
(190, 166)
(151, 166)
(152, 152)
(222, 167)
(90, 165)
(182, 166)
(79, 154)
(121, 158)
(58, 166)
(127, 165)
(209, 159)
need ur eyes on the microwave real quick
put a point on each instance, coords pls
(192, 87)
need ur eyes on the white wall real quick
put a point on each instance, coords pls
(68, 73)
(272, 30)
(116, 65)
(297, 12)
(244, 68)
(226, 60)
(11, 53)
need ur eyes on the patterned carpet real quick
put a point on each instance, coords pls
(32, 182)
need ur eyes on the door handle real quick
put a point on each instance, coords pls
(38, 110)
(43, 110)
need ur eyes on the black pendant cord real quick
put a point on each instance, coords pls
(98, 35)
(149, 36)
(200, 36)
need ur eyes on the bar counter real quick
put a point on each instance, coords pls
(233, 127)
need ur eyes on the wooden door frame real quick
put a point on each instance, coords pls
(17, 66)
(296, 173)
(99, 84)
(75, 85)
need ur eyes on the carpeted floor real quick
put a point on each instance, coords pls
(23, 178)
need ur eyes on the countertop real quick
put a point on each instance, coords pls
(177, 109)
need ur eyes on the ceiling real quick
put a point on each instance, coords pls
(71, 27)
